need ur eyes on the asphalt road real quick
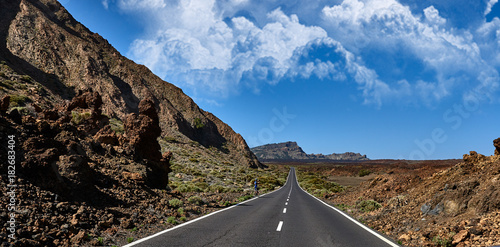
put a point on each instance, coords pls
(286, 217)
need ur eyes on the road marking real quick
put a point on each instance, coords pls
(199, 218)
(286, 203)
(376, 234)
(284, 210)
(288, 199)
(279, 226)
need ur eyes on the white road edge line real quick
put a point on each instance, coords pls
(199, 218)
(279, 226)
(353, 220)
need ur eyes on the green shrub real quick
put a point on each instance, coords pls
(175, 203)
(26, 78)
(172, 220)
(21, 109)
(195, 200)
(444, 241)
(116, 125)
(364, 172)
(18, 100)
(198, 124)
(78, 117)
(244, 198)
(218, 188)
(183, 188)
(225, 203)
(343, 207)
(130, 240)
(170, 139)
(368, 205)
(183, 219)
(100, 240)
(180, 211)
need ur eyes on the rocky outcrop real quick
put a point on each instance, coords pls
(60, 151)
(141, 134)
(42, 40)
(74, 188)
(496, 143)
(292, 151)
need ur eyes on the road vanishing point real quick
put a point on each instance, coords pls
(288, 216)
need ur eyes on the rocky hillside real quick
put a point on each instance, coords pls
(430, 205)
(57, 57)
(292, 151)
(75, 177)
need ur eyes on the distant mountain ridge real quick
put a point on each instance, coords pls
(292, 151)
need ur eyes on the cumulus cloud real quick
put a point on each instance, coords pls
(220, 47)
(451, 54)
(489, 6)
(217, 54)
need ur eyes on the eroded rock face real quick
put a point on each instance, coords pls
(142, 132)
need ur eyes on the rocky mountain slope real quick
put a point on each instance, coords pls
(292, 151)
(75, 177)
(58, 57)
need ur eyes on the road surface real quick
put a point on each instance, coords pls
(286, 217)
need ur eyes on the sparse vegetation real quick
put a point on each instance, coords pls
(364, 172)
(100, 240)
(198, 124)
(130, 240)
(444, 241)
(195, 200)
(172, 220)
(18, 100)
(26, 78)
(79, 117)
(317, 185)
(116, 125)
(175, 203)
(244, 198)
(368, 205)
(343, 207)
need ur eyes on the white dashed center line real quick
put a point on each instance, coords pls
(284, 210)
(279, 226)
(286, 203)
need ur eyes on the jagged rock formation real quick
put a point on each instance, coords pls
(59, 56)
(292, 151)
(496, 143)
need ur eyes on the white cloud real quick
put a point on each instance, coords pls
(220, 47)
(489, 6)
(141, 5)
(105, 4)
(387, 24)
(204, 51)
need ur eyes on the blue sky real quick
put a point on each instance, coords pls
(394, 79)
